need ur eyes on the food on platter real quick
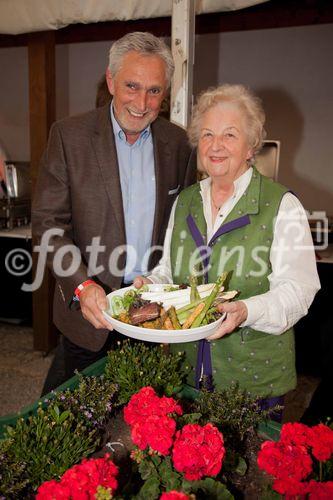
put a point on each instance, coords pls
(171, 307)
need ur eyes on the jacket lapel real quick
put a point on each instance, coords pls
(105, 149)
(162, 156)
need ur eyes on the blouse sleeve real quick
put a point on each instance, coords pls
(294, 280)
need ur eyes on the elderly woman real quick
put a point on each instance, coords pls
(237, 220)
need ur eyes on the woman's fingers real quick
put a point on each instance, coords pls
(236, 314)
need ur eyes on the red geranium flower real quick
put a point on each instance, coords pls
(290, 487)
(145, 403)
(321, 442)
(198, 451)
(169, 405)
(295, 433)
(320, 491)
(81, 481)
(284, 461)
(174, 495)
(52, 490)
(156, 432)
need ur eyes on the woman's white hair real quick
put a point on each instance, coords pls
(145, 43)
(241, 97)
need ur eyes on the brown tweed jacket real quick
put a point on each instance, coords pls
(78, 190)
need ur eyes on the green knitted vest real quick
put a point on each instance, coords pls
(263, 364)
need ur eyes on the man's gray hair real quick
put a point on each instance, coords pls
(145, 43)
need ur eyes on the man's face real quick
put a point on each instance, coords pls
(138, 90)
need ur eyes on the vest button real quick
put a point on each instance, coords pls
(254, 200)
(214, 371)
(240, 212)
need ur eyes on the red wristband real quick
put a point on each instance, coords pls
(80, 287)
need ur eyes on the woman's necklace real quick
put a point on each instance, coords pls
(217, 207)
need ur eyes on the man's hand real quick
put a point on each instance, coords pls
(93, 301)
(139, 281)
(236, 314)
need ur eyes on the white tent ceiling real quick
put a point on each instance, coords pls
(25, 16)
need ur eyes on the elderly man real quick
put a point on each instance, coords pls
(93, 176)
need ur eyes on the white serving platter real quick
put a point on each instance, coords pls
(158, 336)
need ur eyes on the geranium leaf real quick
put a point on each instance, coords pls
(150, 489)
(241, 466)
(147, 470)
(170, 479)
(156, 460)
(212, 489)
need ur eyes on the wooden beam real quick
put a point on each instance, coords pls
(41, 51)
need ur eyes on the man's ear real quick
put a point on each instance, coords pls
(109, 81)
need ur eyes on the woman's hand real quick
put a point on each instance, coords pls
(93, 301)
(139, 281)
(236, 314)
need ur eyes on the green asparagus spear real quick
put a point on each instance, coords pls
(210, 299)
(189, 306)
(194, 291)
(173, 316)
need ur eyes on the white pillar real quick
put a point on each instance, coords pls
(182, 44)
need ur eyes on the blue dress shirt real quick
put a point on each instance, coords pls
(137, 179)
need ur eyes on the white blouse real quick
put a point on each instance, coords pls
(294, 279)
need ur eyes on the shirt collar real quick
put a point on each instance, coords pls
(120, 134)
(240, 184)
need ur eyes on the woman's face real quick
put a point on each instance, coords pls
(223, 146)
